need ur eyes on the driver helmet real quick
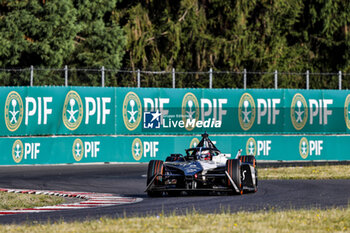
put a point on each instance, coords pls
(204, 155)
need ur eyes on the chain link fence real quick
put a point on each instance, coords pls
(172, 79)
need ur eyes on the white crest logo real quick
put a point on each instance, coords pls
(78, 149)
(72, 110)
(251, 147)
(132, 111)
(190, 109)
(304, 148)
(299, 111)
(246, 111)
(17, 151)
(13, 111)
(137, 149)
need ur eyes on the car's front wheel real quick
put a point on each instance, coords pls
(233, 169)
(155, 168)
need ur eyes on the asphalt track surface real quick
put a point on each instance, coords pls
(130, 180)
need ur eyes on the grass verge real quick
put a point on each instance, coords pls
(12, 201)
(315, 220)
(312, 173)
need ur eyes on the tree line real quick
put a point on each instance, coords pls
(188, 35)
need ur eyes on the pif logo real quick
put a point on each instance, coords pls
(88, 149)
(194, 143)
(13, 111)
(347, 111)
(246, 111)
(304, 148)
(132, 111)
(299, 111)
(72, 110)
(190, 110)
(310, 147)
(17, 151)
(145, 149)
(137, 149)
(258, 147)
(78, 149)
(251, 147)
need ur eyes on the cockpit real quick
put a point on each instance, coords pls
(201, 153)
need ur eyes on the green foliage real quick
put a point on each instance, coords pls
(192, 35)
(36, 33)
(56, 33)
(188, 35)
(99, 42)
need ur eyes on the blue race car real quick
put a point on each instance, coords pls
(203, 168)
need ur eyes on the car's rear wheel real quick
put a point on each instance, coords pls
(155, 168)
(233, 168)
(248, 159)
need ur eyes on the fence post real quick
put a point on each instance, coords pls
(173, 77)
(245, 79)
(307, 80)
(210, 78)
(66, 75)
(276, 79)
(103, 76)
(31, 75)
(340, 79)
(138, 78)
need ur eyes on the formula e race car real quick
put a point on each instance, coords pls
(203, 168)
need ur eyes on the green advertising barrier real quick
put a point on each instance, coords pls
(57, 111)
(34, 111)
(131, 149)
(227, 111)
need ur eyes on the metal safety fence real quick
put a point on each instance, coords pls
(104, 77)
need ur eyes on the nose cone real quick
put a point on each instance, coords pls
(191, 168)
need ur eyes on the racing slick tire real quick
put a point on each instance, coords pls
(248, 159)
(155, 167)
(251, 160)
(233, 168)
